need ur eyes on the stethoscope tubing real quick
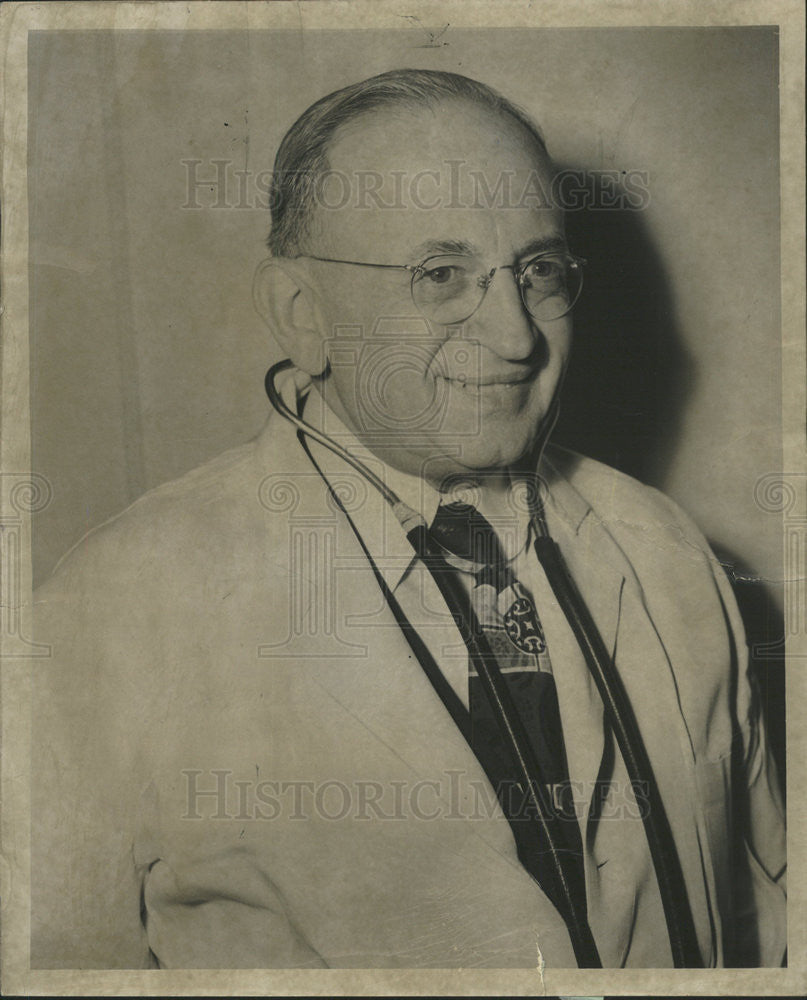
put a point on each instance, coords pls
(669, 874)
(672, 888)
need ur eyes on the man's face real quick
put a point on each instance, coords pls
(433, 399)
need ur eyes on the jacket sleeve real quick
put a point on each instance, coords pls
(758, 925)
(112, 885)
(85, 891)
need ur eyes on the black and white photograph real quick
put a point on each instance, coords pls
(404, 518)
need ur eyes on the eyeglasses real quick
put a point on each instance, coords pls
(449, 288)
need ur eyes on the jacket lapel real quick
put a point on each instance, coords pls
(598, 569)
(608, 584)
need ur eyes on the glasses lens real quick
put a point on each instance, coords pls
(447, 289)
(551, 284)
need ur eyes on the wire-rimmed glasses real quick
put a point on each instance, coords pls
(449, 288)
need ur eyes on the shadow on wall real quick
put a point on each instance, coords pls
(630, 375)
(627, 388)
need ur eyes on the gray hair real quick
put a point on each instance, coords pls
(303, 154)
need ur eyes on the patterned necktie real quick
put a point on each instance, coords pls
(510, 622)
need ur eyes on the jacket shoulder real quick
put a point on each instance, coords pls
(618, 500)
(169, 523)
(668, 555)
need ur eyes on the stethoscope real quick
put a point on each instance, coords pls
(560, 883)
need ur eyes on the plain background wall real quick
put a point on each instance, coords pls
(147, 357)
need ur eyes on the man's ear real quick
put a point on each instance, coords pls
(284, 298)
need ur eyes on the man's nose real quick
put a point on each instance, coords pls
(501, 322)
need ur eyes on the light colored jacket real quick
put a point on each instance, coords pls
(230, 711)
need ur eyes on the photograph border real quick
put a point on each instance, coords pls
(22, 491)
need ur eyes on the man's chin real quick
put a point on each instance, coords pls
(472, 464)
(504, 449)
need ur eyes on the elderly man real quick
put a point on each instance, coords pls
(398, 684)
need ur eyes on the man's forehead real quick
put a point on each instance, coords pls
(448, 179)
(411, 138)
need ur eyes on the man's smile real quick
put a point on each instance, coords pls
(489, 383)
